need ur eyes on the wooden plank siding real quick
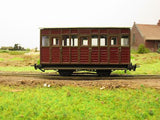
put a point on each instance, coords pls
(86, 54)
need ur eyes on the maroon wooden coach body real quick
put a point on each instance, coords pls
(68, 49)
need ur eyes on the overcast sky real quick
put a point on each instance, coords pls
(20, 20)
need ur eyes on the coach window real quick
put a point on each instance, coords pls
(124, 41)
(55, 41)
(74, 40)
(113, 40)
(84, 41)
(45, 41)
(94, 40)
(65, 40)
(103, 40)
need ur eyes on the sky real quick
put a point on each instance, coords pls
(21, 20)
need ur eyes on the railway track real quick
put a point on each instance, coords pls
(79, 76)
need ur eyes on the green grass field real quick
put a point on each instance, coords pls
(18, 69)
(13, 52)
(17, 61)
(149, 64)
(81, 103)
(67, 103)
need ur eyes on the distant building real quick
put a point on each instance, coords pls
(146, 34)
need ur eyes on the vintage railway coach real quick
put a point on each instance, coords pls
(101, 49)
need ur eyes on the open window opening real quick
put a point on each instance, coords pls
(103, 40)
(84, 41)
(124, 41)
(94, 40)
(65, 40)
(74, 40)
(113, 40)
(55, 41)
(45, 41)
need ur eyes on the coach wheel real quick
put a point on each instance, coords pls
(65, 72)
(104, 72)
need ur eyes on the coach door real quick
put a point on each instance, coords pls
(103, 54)
(94, 49)
(45, 49)
(84, 49)
(114, 50)
(55, 49)
(74, 49)
(125, 50)
(65, 49)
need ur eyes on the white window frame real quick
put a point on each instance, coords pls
(84, 42)
(113, 43)
(54, 40)
(103, 40)
(45, 41)
(94, 40)
(74, 41)
(65, 41)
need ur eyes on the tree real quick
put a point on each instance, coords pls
(18, 47)
(15, 47)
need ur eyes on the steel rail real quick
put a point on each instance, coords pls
(79, 76)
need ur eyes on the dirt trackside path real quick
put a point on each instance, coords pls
(102, 84)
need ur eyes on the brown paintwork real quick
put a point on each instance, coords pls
(109, 32)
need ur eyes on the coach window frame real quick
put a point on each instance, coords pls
(81, 41)
(113, 41)
(52, 42)
(128, 44)
(93, 38)
(72, 44)
(67, 40)
(106, 40)
(48, 42)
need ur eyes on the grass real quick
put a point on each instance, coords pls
(146, 69)
(4, 51)
(1, 59)
(149, 58)
(23, 69)
(17, 69)
(13, 52)
(18, 61)
(17, 52)
(67, 103)
(149, 64)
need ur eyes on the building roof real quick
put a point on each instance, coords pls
(149, 32)
(85, 27)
